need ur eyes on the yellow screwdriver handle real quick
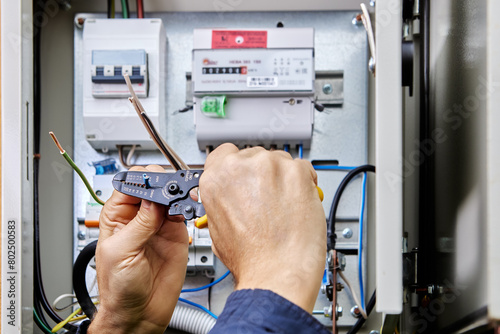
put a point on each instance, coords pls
(320, 193)
(202, 222)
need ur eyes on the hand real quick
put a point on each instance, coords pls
(266, 221)
(141, 261)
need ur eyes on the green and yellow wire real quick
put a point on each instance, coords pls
(76, 169)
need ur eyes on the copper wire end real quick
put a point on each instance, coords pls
(54, 138)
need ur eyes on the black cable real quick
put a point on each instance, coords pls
(79, 283)
(40, 302)
(336, 199)
(371, 303)
(109, 8)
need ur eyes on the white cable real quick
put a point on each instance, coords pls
(61, 297)
(354, 295)
(130, 155)
(191, 320)
(369, 30)
(64, 296)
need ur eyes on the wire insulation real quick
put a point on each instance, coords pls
(360, 243)
(336, 199)
(76, 169)
(79, 284)
(40, 324)
(198, 306)
(353, 292)
(125, 9)
(208, 285)
(140, 9)
(65, 321)
(371, 303)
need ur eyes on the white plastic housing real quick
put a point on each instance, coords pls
(113, 121)
(267, 76)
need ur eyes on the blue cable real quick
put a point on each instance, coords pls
(286, 148)
(332, 167)
(360, 243)
(208, 285)
(203, 308)
(301, 151)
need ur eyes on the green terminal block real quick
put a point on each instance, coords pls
(213, 106)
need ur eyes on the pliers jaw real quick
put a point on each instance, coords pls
(169, 189)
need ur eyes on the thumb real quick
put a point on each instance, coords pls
(146, 223)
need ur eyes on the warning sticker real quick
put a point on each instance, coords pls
(247, 39)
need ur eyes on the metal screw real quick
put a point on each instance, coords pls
(371, 65)
(356, 20)
(188, 208)
(339, 286)
(341, 261)
(330, 258)
(81, 235)
(374, 332)
(355, 312)
(98, 192)
(338, 311)
(173, 189)
(347, 233)
(291, 102)
(372, 3)
(327, 310)
(327, 88)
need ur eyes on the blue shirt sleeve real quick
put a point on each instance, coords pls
(263, 311)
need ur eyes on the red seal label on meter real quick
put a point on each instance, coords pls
(247, 39)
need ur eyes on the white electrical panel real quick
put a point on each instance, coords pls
(112, 48)
(253, 87)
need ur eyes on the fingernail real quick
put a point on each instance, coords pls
(146, 204)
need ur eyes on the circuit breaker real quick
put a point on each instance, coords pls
(112, 48)
(253, 86)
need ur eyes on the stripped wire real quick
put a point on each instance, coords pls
(76, 169)
(166, 150)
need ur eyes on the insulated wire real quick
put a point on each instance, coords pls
(70, 318)
(336, 199)
(198, 306)
(112, 9)
(65, 321)
(360, 243)
(301, 152)
(40, 323)
(208, 285)
(76, 169)
(371, 303)
(140, 9)
(130, 155)
(353, 292)
(333, 167)
(125, 9)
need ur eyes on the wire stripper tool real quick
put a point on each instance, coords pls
(170, 189)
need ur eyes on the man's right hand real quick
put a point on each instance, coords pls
(266, 221)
